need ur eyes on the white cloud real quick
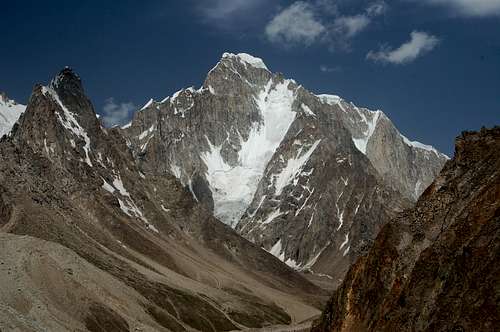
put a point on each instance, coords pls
(419, 44)
(328, 69)
(234, 16)
(296, 24)
(470, 7)
(320, 21)
(327, 6)
(117, 113)
(222, 9)
(350, 26)
(377, 8)
(345, 28)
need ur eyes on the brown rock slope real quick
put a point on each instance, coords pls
(435, 267)
(126, 250)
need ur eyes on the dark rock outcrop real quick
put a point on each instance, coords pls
(434, 267)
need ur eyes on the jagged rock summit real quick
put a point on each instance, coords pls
(90, 241)
(310, 178)
(434, 267)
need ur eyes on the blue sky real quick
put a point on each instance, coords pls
(432, 65)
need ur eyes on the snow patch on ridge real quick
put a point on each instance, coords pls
(247, 59)
(177, 104)
(233, 186)
(307, 110)
(345, 241)
(176, 171)
(293, 168)
(128, 206)
(277, 251)
(106, 186)
(362, 142)
(273, 215)
(418, 145)
(147, 132)
(128, 125)
(313, 261)
(292, 263)
(329, 99)
(149, 103)
(417, 188)
(118, 184)
(10, 112)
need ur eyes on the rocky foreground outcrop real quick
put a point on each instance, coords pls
(95, 243)
(434, 267)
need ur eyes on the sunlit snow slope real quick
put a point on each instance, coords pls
(10, 112)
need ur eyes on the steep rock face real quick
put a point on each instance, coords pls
(66, 179)
(406, 166)
(10, 111)
(434, 267)
(218, 139)
(320, 199)
(308, 177)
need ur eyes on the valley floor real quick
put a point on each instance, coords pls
(301, 327)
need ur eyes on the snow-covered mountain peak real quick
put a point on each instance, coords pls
(280, 163)
(246, 59)
(237, 74)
